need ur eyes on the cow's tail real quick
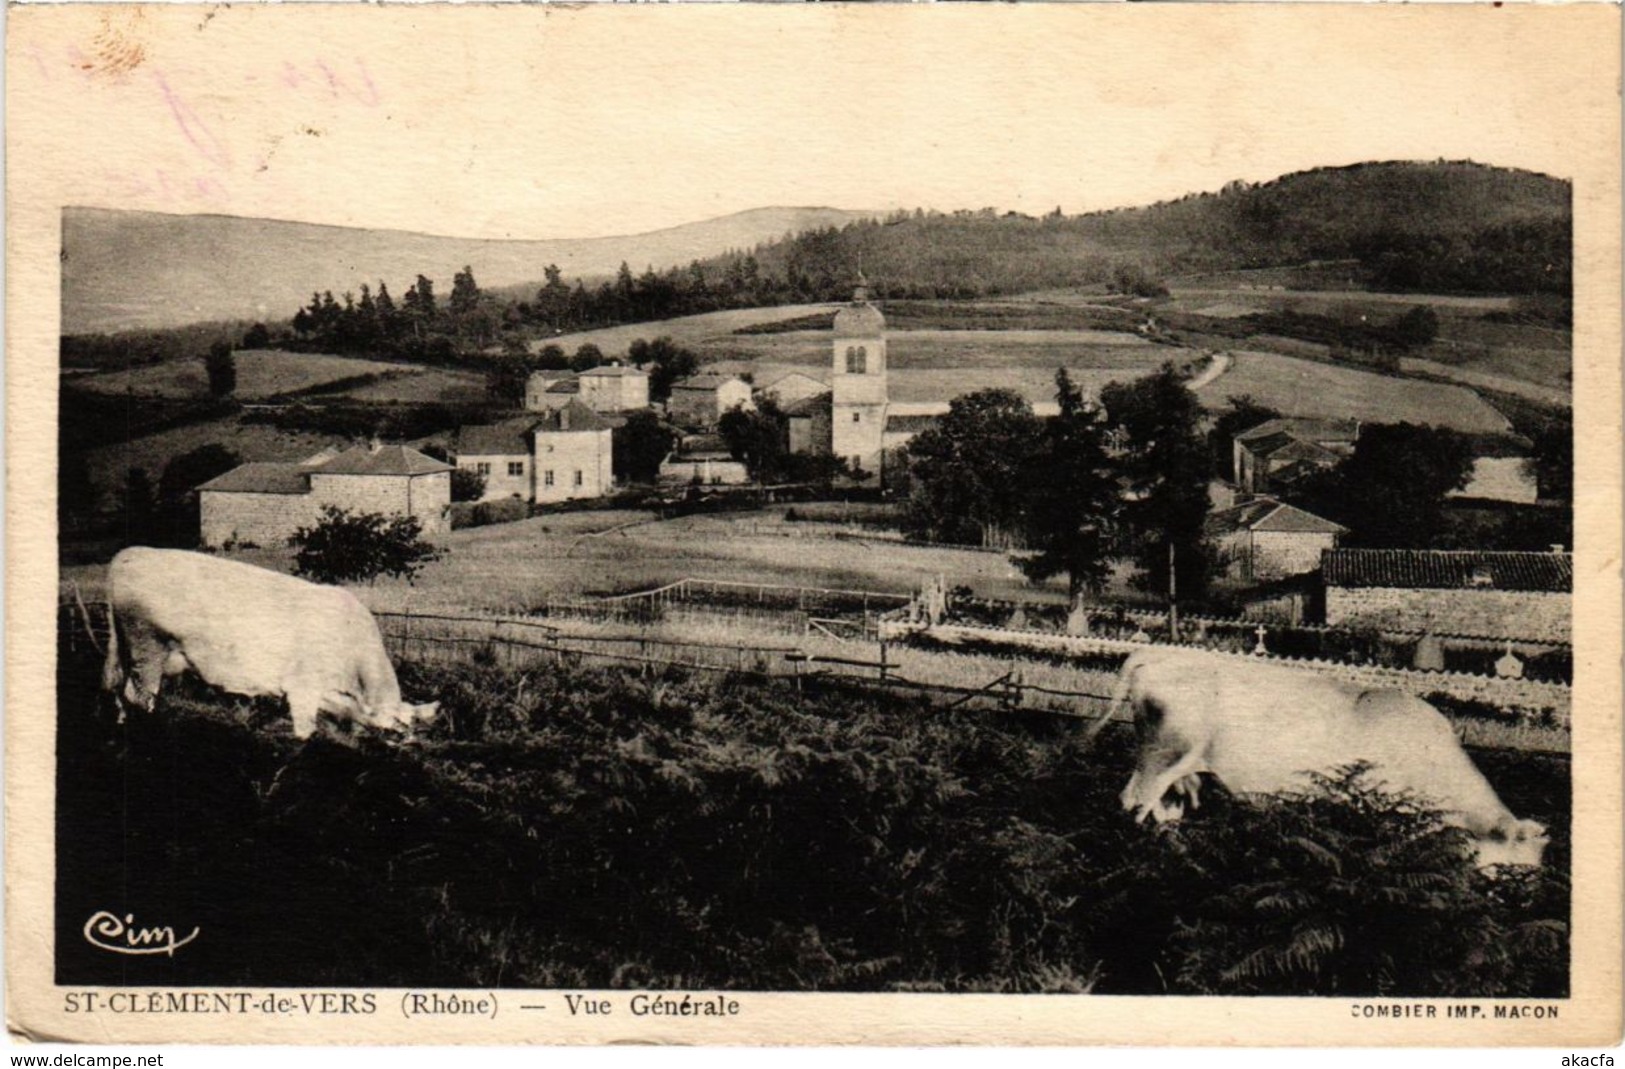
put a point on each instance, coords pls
(112, 671)
(1119, 700)
(84, 616)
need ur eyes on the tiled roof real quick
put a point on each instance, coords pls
(614, 371)
(385, 460)
(1439, 569)
(790, 376)
(809, 406)
(1267, 514)
(707, 381)
(570, 418)
(1299, 450)
(910, 424)
(506, 439)
(261, 477)
(570, 385)
(1309, 430)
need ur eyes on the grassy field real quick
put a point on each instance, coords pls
(692, 331)
(1330, 301)
(514, 566)
(261, 373)
(1308, 388)
(1478, 346)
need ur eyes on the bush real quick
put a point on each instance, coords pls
(344, 548)
(467, 484)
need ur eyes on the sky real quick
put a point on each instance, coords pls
(546, 123)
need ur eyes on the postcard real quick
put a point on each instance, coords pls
(1054, 524)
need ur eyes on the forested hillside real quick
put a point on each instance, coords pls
(1435, 227)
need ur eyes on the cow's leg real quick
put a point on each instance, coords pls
(1151, 786)
(148, 655)
(304, 706)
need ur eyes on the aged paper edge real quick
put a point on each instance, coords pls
(42, 154)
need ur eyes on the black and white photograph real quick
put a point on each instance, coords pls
(656, 511)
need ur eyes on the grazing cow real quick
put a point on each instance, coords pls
(1262, 728)
(249, 631)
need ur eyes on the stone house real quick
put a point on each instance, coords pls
(1265, 539)
(1507, 595)
(549, 390)
(614, 388)
(1276, 453)
(790, 389)
(700, 400)
(558, 455)
(266, 502)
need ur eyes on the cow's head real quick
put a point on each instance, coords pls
(1511, 842)
(404, 716)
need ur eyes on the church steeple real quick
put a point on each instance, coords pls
(858, 381)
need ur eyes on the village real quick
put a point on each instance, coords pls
(1486, 612)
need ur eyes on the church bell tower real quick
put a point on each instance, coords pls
(858, 383)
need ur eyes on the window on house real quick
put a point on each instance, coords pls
(857, 417)
(516, 467)
(482, 467)
(547, 477)
(857, 360)
(578, 476)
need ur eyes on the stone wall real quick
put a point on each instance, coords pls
(425, 496)
(1275, 554)
(1524, 696)
(263, 519)
(1499, 613)
(615, 393)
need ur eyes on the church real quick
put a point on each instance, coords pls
(854, 420)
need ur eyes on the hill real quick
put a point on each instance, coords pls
(123, 270)
(1444, 227)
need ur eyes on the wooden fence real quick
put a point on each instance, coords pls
(522, 642)
(519, 642)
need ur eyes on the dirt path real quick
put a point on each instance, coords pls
(1217, 365)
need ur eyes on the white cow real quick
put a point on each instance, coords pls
(249, 631)
(1262, 728)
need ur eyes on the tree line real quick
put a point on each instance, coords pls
(1075, 490)
(1129, 478)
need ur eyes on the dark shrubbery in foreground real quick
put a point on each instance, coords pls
(567, 827)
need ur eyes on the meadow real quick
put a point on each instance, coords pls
(261, 373)
(1309, 388)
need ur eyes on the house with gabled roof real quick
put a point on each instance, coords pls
(264, 503)
(793, 387)
(547, 390)
(699, 401)
(1510, 595)
(558, 455)
(614, 388)
(1276, 453)
(1266, 539)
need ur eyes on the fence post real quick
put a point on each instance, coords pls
(883, 659)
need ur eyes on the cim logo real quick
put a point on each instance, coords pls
(108, 931)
